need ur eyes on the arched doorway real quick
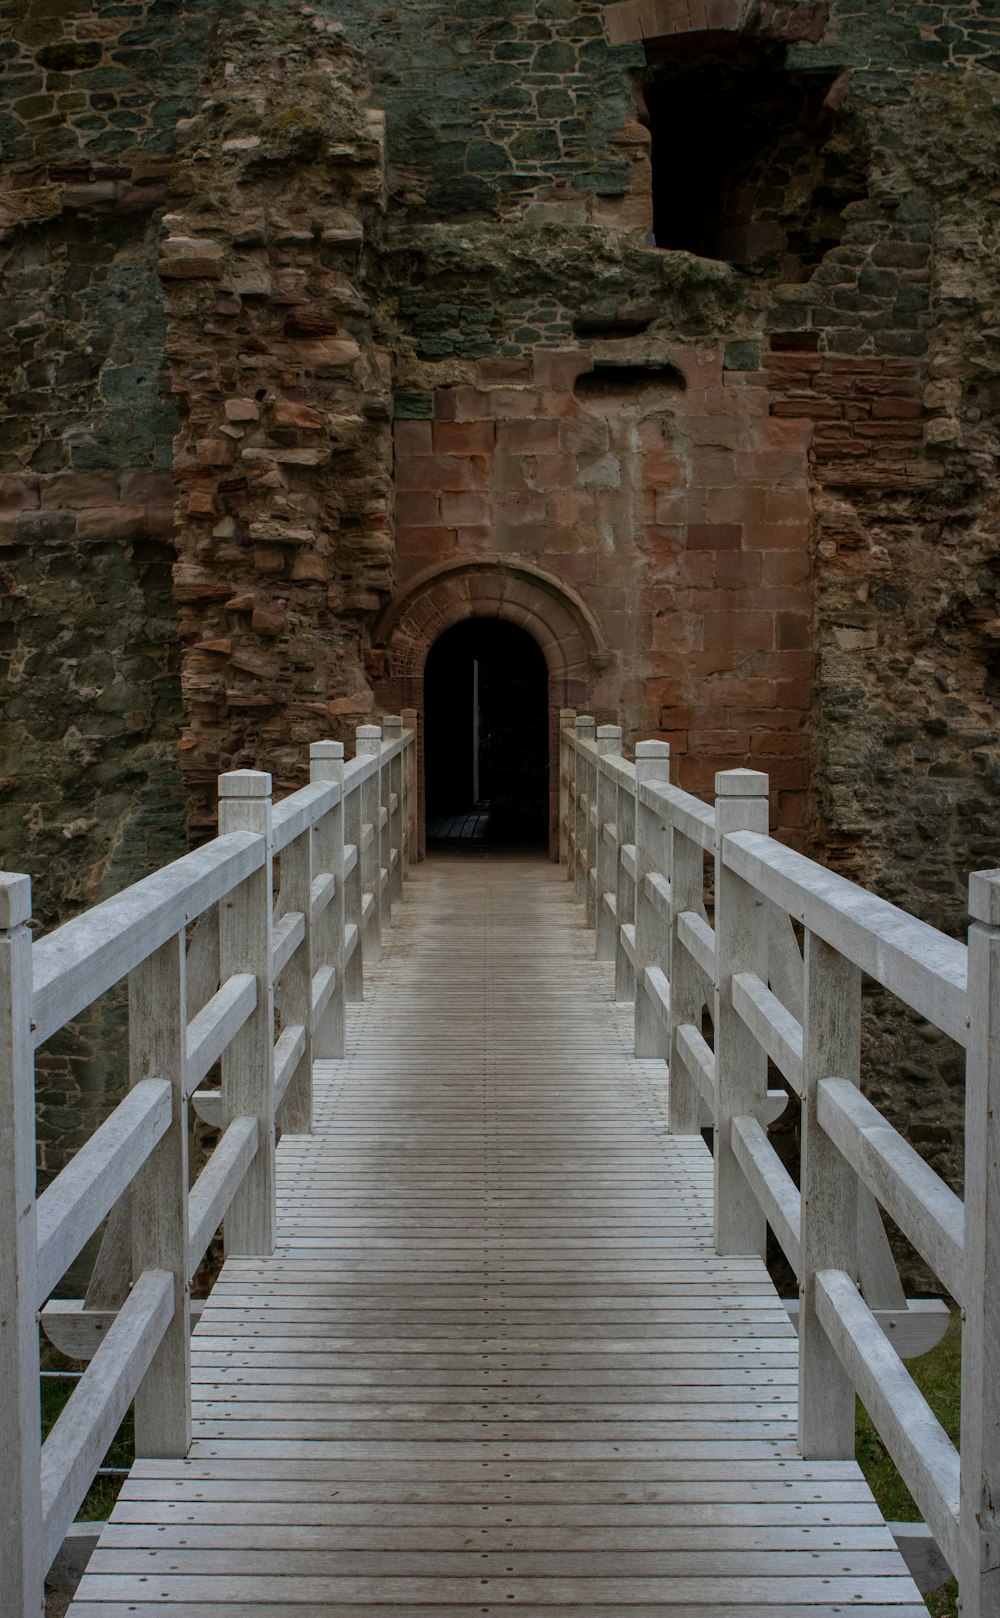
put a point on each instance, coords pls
(486, 736)
(556, 619)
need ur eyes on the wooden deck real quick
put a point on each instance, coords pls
(493, 1361)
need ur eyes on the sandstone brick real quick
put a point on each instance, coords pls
(462, 437)
(74, 490)
(506, 402)
(746, 631)
(464, 508)
(413, 438)
(765, 746)
(443, 472)
(111, 523)
(460, 404)
(293, 413)
(530, 434)
(784, 567)
(794, 629)
(714, 536)
(416, 508)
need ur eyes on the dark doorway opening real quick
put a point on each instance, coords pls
(486, 737)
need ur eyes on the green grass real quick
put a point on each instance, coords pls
(938, 1375)
(55, 1393)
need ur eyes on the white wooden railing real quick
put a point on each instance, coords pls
(696, 906)
(207, 949)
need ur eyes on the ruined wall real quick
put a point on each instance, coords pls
(689, 305)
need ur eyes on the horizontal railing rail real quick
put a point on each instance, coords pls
(290, 902)
(701, 910)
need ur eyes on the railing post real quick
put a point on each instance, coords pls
(584, 728)
(567, 719)
(979, 1573)
(410, 784)
(326, 763)
(245, 945)
(21, 1537)
(157, 1003)
(392, 731)
(740, 1063)
(652, 929)
(828, 1232)
(368, 743)
(295, 1002)
(687, 986)
(609, 741)
(624, 890)
(354, 889)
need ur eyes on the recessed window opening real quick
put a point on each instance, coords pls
(612, 386)
(486, 737)
(748, 165)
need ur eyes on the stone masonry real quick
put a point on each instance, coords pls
(667, 329)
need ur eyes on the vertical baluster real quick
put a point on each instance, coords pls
(21, 1556)
(245, 945)
(652, 929)
(979, 1573)
(410, 786)
(828, 1236)
(740, 1063)
(326, 763)
(609, 742)
(567, 719)
(157, 1004)
(624, 892)
(584, 733)
(369, 745)
(354, 888)
(392, 731)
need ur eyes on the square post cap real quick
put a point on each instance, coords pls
(245, 784)
(15, 899)
(741, 784)
(984, 897)
(326, 750)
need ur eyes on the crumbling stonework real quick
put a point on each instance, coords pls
(666, 329)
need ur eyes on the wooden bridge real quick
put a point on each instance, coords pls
(493, 1327)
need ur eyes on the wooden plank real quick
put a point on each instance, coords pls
(909, 958)
(74, 1448)
(924, 1207)
(216, 1024)
(73, 1205)
(217, 1184)
(81, 960)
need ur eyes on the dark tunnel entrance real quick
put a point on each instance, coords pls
(486, 741)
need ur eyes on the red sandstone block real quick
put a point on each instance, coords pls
(701, 367)
(793, 629)
(713, 432)
(416, 508)
(775, 536)
(746, 504)
(509, 474)
(714, 536)
(784, 567)
(474, 536)
(550, 471)
(696, 569)
(771, 466)
(795, 693)
(680, 630)
(460, 404)
(462, 507)
(788, 505)
(411, 540)
(570, 507)
(747, 693)
(712, 469)
(117, 522)
(462, 437)
(528, 435)
(810, 409)
(493, 371)
(744, 631)
(559, 368)
(148, 487)
(786, 432)
(673, 506)
(413, 438)
(764, 745)
(792, 813)
(728, 744)
(443, 472)
(788, 772)
(505, 402)
(528, 507)
(737, 571)
(559, 405)
(71, 491)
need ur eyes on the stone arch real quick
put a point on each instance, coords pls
(571, 640)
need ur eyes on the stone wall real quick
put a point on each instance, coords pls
(684, 316)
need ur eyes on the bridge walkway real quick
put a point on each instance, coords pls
(493, 1361)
